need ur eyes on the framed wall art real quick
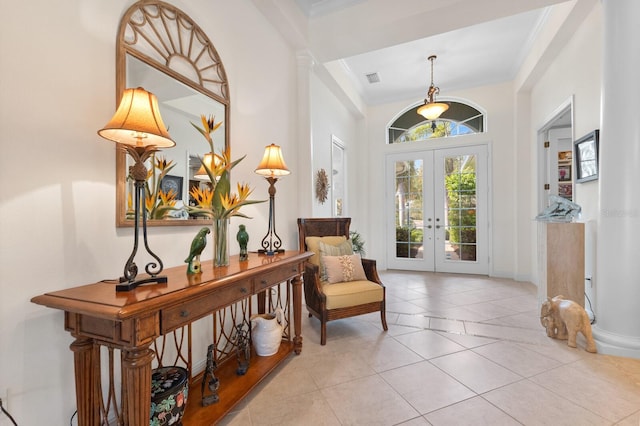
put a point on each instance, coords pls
(586, 157)
(170, 182)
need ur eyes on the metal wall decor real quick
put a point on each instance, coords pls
(322, 186)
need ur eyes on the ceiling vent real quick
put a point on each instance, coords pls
(373, 77)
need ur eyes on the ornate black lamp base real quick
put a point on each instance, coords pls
(271, 243)
(270, 252)
(130, 285)
(139, 172)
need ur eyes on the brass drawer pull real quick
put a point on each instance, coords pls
(184, 313)
(243, 290)
(263, 282)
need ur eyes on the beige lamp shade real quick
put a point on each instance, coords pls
(272, 164)
(211, 161)
(137, 121)
(432, 110)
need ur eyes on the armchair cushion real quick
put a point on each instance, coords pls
(326, 249)
(352, 293)
(339, 249)
(343, 268)
(313, 244)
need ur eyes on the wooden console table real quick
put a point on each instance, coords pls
(96, 315)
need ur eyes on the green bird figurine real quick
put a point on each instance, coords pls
(243, 239)
(197, 245)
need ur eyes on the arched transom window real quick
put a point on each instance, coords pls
(459, 119)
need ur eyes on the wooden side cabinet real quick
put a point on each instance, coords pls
(132, 322)
(561, 261)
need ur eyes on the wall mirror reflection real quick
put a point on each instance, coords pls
(163, 51)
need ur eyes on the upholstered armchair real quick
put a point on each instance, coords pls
(334, 287)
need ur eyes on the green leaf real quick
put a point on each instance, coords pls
(160, 212)
(222, 187)
(199, 211)
(234, 163)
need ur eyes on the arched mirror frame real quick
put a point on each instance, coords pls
(155, 33)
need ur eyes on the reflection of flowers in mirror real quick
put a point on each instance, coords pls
(158, 203)
(215, 200)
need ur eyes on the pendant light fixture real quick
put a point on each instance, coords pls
(432, 109)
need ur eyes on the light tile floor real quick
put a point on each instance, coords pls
(460, 350)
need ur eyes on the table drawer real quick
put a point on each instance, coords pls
(274, 277)
(183, 314)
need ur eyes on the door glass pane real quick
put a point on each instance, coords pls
(460, 207)
(408, 208)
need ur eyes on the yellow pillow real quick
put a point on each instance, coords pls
(344, 268)
(314, 242)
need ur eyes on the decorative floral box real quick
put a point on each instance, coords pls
(169, 391)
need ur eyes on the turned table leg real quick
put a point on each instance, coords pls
(296, 284)
(86, 397)
(136, 385)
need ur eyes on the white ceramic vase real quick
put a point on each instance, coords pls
(266, 332)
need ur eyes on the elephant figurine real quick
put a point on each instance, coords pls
(563, 319)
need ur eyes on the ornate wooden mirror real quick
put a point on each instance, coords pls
(162, 50)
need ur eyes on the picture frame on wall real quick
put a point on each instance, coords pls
(565, 190)
(170, 182)
(564, 173)
(586, 157)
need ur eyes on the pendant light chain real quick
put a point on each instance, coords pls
(431, 58)
(431, 109)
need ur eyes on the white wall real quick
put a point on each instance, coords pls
(514, 118)
(330, 117)
(57, 197)
(576, 71)
(496, 100)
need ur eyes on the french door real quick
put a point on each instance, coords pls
(438, 214)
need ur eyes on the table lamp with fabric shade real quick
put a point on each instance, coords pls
(138, 129)
(272, 167)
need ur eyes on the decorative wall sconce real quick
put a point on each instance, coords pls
(432, 109)
(138, 129)
(272, 167)
(322, 186)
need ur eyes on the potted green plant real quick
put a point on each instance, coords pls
(357, 243)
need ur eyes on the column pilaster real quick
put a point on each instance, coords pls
(617, 328)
